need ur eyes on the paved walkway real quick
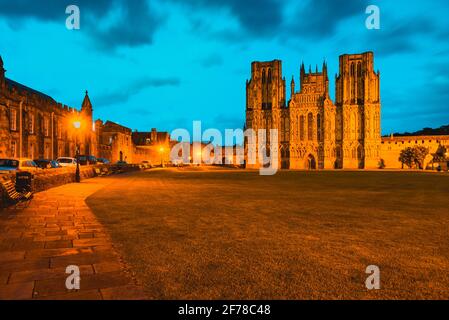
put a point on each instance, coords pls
(55, 231)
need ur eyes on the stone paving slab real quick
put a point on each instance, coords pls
(57, 230)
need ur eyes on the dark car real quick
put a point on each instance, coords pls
(103, 161)
(47, 164)
(87, 160)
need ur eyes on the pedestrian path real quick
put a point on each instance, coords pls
(57, 230)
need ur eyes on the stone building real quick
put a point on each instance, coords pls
(33, 125)
(115, 142)
(152, 146)
(315, 133)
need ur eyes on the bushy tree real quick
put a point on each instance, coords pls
(414, 157)
(406, 157)
(420, 153)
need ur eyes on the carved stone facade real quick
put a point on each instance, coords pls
(315, 133)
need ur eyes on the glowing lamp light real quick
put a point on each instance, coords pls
(77, 124)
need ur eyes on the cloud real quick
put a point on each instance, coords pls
(320, 18)
(397, 37)
(256, 17)
(123, 94)
(133, 23)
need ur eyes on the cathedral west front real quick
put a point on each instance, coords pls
(313, 131)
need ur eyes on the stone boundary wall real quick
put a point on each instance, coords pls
(51, 178)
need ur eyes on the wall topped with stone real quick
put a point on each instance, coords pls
(47, 179)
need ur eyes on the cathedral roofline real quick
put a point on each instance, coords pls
(357, 54)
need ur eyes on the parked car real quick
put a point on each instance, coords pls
(66, 162)
(85, 160)
(103, 161)
(121, 163)
(47, 164)
(14, 165)
(147, 164)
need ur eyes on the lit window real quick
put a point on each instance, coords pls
(46, 127)
(13, 120)
(31, 129)
(59, 130)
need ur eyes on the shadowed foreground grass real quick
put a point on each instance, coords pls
(192, 234)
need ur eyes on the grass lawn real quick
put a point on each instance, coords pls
(221, 234)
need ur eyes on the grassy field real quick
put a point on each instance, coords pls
(205, 234)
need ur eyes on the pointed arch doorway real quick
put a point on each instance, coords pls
(311, 162)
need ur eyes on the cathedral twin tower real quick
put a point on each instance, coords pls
(315, 133)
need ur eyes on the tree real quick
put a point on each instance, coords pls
(414, 156)
(420, 153)
(406, 157)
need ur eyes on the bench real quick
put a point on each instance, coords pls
(11, 193)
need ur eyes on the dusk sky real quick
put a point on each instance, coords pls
(167, 63)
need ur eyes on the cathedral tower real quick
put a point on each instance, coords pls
(265, 100)
(358, 112)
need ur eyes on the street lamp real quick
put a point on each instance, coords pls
(77, 126)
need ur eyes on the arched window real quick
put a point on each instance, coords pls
(338, 152)
(353, 81)
(310, 126)
(264, 89)
(301, 128)
(318, 127)
(269, 91)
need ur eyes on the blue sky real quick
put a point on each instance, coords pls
(167, 63)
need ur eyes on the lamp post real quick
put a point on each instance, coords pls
(77, 126)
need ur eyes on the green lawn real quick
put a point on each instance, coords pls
(205, 234)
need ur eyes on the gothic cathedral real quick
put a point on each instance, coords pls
(313, 132)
